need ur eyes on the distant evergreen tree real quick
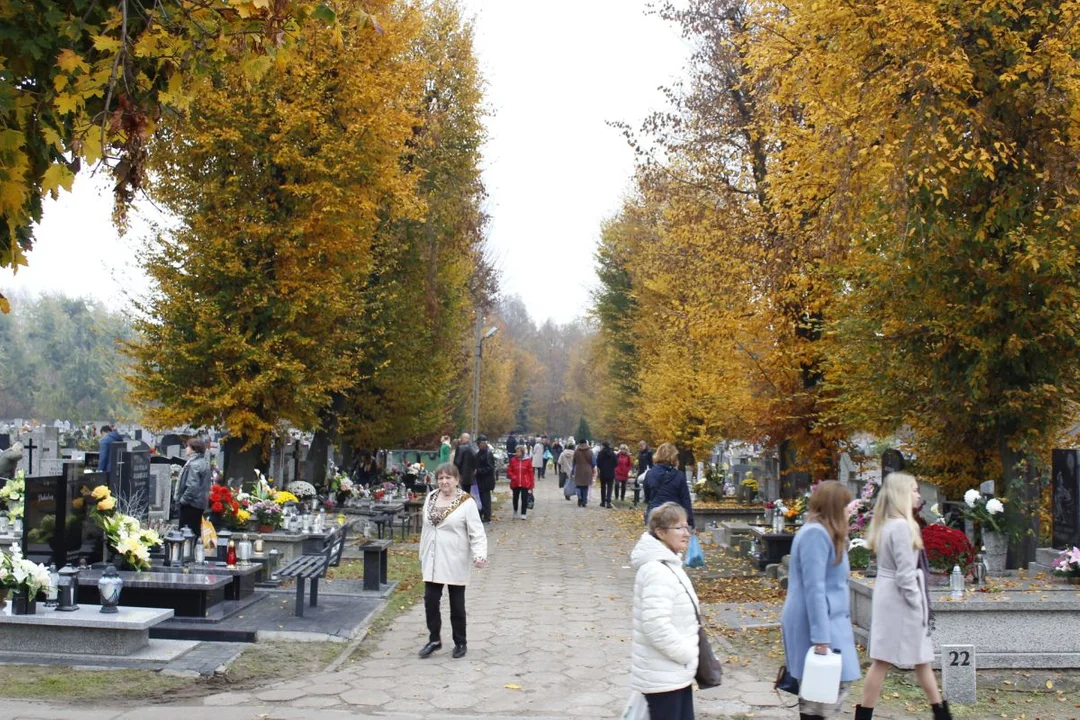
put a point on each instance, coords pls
(583, 432)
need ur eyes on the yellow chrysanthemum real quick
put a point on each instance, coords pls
(101, 492)
(107, 504)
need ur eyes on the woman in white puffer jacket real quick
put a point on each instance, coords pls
(664, 655)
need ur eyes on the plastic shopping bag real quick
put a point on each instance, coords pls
(637, 707)
(694, 556)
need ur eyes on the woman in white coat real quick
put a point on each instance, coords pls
(452, 542)
(664, 653)
(900, 628)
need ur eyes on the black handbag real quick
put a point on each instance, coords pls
(710, 673)
(785, 682)
(531, 501)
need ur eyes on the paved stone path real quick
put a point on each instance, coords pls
(549, 637)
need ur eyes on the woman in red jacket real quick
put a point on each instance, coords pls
(623, 466)
(520, 473)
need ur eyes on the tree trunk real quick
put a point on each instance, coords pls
(318, 455)
(240, 465)
(1018, 486)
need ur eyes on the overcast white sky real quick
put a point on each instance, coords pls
(556, 73)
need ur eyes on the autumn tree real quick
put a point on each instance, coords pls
(278, 182)
(960, 310)
(86, 82)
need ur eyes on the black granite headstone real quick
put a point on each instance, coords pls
(891, 461)
(5, 441)
(56, 527)
(130, 482)
(1066, 497)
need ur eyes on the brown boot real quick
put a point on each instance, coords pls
(862, 713)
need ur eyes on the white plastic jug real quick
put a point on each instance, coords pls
(821, 677)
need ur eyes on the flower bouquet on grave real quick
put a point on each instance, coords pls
(224, 505)
(988, 513)
(23, 578)
(1068, 565)
(12, 495)
(302, 490)
(131, 541)
(284, 497)
(860, 511)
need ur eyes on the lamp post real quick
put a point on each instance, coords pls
(481, 336)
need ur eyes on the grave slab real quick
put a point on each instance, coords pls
(86, 631)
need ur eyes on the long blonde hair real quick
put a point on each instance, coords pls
(827, 505)
(894, 501)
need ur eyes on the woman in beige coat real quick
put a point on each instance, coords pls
(900, 626)
(452, 542)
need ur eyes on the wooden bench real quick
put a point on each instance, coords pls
(375, 555)
(314, 567)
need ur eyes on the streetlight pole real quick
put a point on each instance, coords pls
(481, 336)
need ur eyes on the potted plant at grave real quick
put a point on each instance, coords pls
(947, 547)
(1068, 566)
(748, 489)
(988, 514)
(304, 492)
(858, 554)
(267, 515)
(23, 579)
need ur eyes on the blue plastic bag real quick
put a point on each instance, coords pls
(694, 556)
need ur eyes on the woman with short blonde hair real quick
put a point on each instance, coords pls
(900, 626)
(664, 647)
(665, 483)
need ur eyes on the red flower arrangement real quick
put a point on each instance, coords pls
(222, 501)
(946, 547)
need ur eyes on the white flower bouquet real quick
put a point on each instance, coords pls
(987, 512)
(21, 575)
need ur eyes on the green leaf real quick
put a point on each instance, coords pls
(324, 13)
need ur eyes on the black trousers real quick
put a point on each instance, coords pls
(606, 487)
(432, 600)
(191, 517)
(620, 489)
(485, 505)
(522, 493)
(672, 705)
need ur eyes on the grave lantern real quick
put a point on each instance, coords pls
(174, 549)
(188, 538)
(109, 587)
(67, 589)
(224, 537)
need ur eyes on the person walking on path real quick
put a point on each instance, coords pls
(520, 473)
(538, 458)
(193, 490)
(566, 469)
(465, 462)
(557, 451)
(664, 483)
(452, 542)
(444, 450)
(605, 470)
(623, 466)
(644, 458)
(664, 648)
(901, 625)
(816, 610)
(511, 444)
(584, 471)
(485, 476)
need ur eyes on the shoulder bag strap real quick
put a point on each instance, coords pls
(687, 591)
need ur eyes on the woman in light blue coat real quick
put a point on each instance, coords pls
(816, 612)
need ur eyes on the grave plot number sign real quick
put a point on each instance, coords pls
(958, 673)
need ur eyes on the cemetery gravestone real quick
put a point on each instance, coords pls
(891, 461)
(55, 523)
(5, 441)
(1065, 467)
(131, 481)
(958, 674)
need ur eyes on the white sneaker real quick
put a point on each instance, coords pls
(524, 517)
(517, 516)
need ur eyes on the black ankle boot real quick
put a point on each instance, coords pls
(862, 713)
(941, 711)
(804, 716)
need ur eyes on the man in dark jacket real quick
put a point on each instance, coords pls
(666, 483)
(485, 476)
(465, 461)
(605, 470)
(110, 436)
(511, 444)
(644, 458)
